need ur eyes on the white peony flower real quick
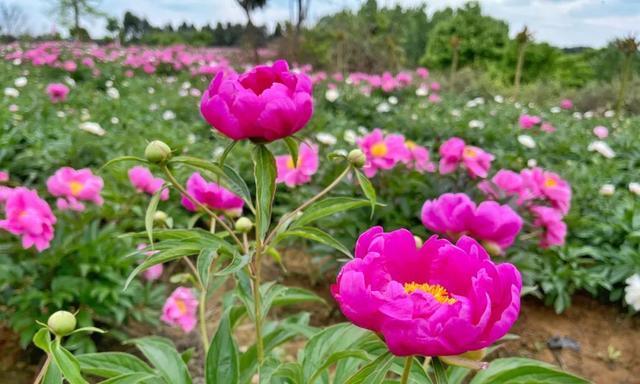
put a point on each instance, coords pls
(17, 62)
(392, 100)
(632, 291)
(531, 163)
(422, 91)
(91, 127)
(602, 148)
(20, 82)
(383, 107)
(556, 109)
(185, 85)
(607, 190)
(153, 107)
(476, 124)
(362, 130)
(168, 115)
(115, 120)
(342, 152)
(331, 95)
(609, 113)
(217, 152)
(151, 91)
(13, 108)
(588, 115)
(414, 116)
(350, 136)
(577, 115)
(498, 99)
(634, 188)
(527, 141)
(183, 92)
(195, 92)
(11, 92)
(61, 114)
(70, 82)
(113, 93)
(456, 113)
(108, 84)
(191, 138)
(326, 138)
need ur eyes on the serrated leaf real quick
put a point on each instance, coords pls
(315, 234)
(265, 179)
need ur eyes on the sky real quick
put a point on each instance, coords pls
(565, 23)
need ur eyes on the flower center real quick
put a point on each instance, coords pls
(550, 182)
(469, 152)
(379, 149)
(410, 144)
(290, 164)
(76, 187)
(436, 290)
(182, 307)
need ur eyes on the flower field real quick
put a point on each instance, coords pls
(139, 186)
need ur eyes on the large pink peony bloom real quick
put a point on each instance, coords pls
(296, 174)
(455, 214)
(382, 152)
(264, 104)
(73, 186)
(545, 184)
(441, 299)
(143, 181)
(550, 221)
(529, 121)
(30, 217)
(180, 309)
(57, 92)
(418, 158)
(211, 195)
(454, 152)
(601, 132)
(503, 184)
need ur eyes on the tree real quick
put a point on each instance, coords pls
(302, 11)
(522, 39)
(12, 19)
(113, 27)
(71, 11)
(628, 46)
(249, 6)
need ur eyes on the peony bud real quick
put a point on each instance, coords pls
(357, 158)
(160, 217)
(157, 152)
(62, 323)
(243, 225)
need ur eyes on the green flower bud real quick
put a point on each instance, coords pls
(157, 152)
(62, 323)
(160, 217)
(492, 248)
(243, 225)
(357, 158)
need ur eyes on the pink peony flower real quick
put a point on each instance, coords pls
(70, 66)
(455, 214)
(382, 152)
(550, 221)
(4, 176)
(296, 174)
(545, 184)
(180, 309)
(423, 73)
(154, 272)
(28, 216)
(435, 86)
(57, 92)
(566, 104)
(503, 184)
(264, 104)
(434, 98)
(5, 192)
(529, 121)
(438, 300)
(73, 186)
(143, 181)
(418, 158)
(454, 152)
(601, 132)
(211, 195)
(547, 127)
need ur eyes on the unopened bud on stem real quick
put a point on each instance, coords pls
(243, 225)
(62, 323)
(157, 152)
(357, 158)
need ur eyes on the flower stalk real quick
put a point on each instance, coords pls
(406, 372)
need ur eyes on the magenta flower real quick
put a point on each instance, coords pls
(529, 121)
(418, 158)
(455, 152)
(545, 184)
(455, 214)
(601, 132)
(180, 309)
(550, 221)
(264, 104)
(434, 98)
(70, 66)
(4, 176)
(566, 104)
(504, 183)
(143, 181)
(547, 127)
(296, 174)
(28, 216)
(422, 72)
(212, 195)
(438, 300)
(73, 186)
(382, 152)
(5, 192)
(57, 92)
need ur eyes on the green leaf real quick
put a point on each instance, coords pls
(163, 355)
(151, 211)
(315, 234)
(517, 370)
(327, 207)
(187, 355)
(162, 257)
(53, 375)
(42, 339)
(130, 378)
(203, 264)
(292, 147)
(124, 158)
(237, 263)
(265, 178)
(292, 372)
(367, 189)
(439, 371)
(335, 357)
(67, 364)
(222, 364)
(111, 364)
(89, 330)
(374, 372)
(226, 152)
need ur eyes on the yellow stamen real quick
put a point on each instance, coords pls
(436, 290)
(550, 182)
(410, 144)
(76, 187)
(182, 307)
(379, 149)
(290, 164)
(469, 152)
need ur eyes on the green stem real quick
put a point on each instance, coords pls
(43, 371)
(406, 372)
(202, 317)
(258, 308)
(182, 190)
(440, 375)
